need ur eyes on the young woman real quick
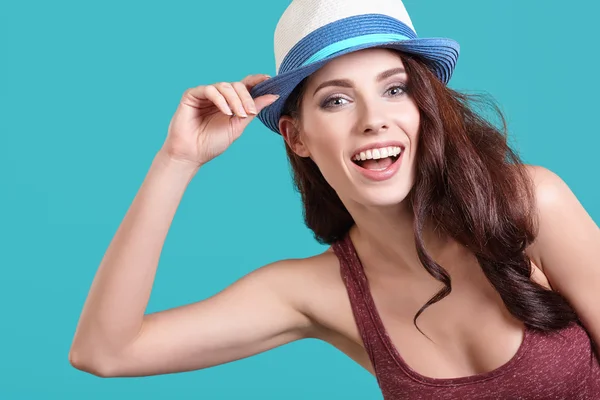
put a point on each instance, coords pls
(454, 271)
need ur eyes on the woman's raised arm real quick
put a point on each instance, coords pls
(114, 336)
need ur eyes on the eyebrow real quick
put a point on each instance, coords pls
(347, 83)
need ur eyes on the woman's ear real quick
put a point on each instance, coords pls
(291, 135)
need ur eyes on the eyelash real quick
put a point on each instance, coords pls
(329, 99)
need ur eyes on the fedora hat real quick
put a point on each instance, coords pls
(312, 32)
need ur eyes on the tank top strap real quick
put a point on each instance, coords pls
(369, 326)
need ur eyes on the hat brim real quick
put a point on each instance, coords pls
(441, 55)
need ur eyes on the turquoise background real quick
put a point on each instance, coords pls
(87, 90)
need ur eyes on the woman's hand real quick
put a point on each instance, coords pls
(210, 118)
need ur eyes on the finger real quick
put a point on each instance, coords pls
(264, 100)
(198, 92)
(213, 94)
(234, 101)
(197, 95)
(252, 80)
(261, 102)
(244, 95)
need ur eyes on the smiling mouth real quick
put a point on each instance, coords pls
(377, 164)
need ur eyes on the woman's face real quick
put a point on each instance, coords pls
(357, 102)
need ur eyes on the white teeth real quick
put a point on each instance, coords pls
(375, 154)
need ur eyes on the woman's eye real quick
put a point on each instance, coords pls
(400, 87)
(329, 102)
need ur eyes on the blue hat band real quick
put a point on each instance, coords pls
(352, 42)
(342, 34)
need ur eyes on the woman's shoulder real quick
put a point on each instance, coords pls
(309, 268)
(547, 188)
(547, 184)
(541, 176)
(316, 285)
(313, 274)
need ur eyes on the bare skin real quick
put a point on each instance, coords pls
(461, 346)
(294, 299)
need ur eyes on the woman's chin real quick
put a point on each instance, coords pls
(382, 198)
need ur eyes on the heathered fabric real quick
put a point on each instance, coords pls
(556, 365)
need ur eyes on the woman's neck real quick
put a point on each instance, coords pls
(386, 237)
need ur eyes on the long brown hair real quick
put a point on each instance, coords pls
(468, 181)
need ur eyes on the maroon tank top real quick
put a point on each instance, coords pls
(556, 365)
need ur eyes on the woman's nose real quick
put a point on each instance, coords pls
(373, 119)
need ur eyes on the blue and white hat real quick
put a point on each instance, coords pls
(312, 32)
